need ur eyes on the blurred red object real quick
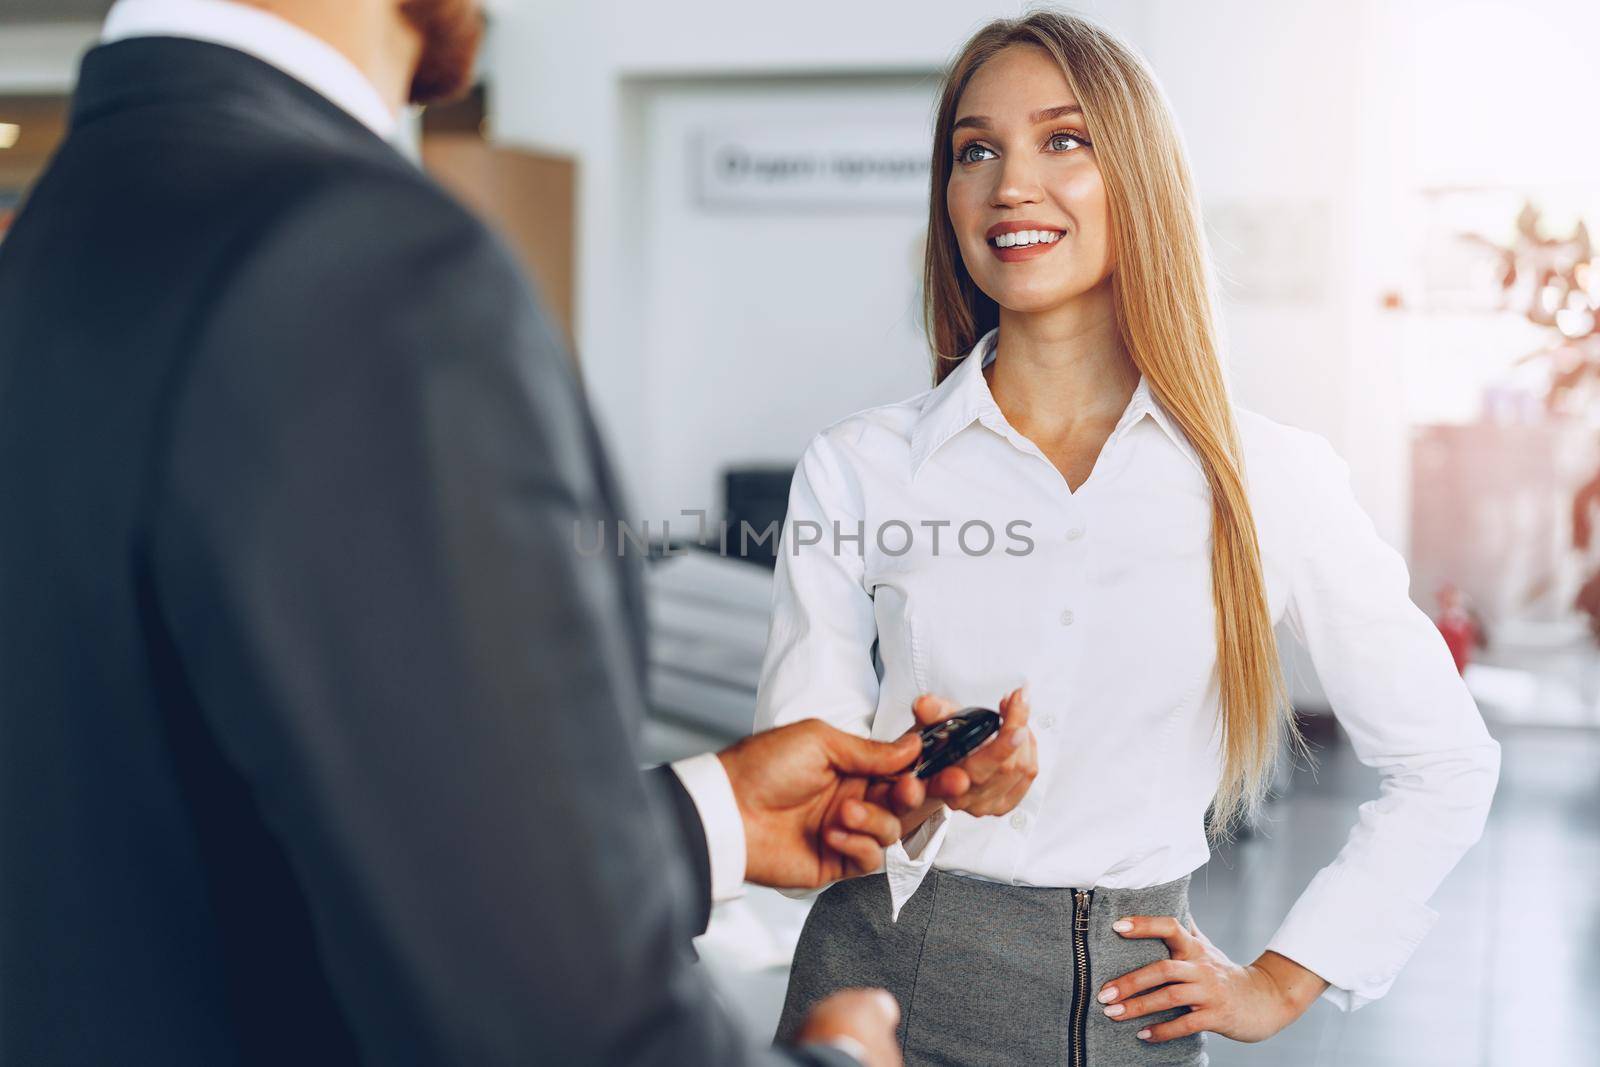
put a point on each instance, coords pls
(1456, 623)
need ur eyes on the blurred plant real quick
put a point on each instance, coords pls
(1554, 282)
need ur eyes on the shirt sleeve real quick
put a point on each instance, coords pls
(1393, 686)
(818, 663)
(706, 781)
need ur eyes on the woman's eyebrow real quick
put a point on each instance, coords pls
(982, 122)
(1054, 113)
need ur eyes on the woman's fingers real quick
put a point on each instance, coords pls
(1014, 711)
(1018, 791)
(1003, 748)
(1181, 994)
(929, 709)
(950, 785)
(1188, 1023)
(994, 778)
(1147, 977)
(1180, 945)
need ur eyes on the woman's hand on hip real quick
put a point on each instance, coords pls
(1245, 1003)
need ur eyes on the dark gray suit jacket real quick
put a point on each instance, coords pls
(316, 730)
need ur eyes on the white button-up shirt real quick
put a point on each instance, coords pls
(930, 547)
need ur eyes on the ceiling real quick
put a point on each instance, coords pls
(53, 10)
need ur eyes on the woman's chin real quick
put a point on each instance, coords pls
(1031, 301)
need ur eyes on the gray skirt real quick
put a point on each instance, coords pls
(991, 974)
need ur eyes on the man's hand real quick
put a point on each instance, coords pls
(802, 792)
(866, 1017)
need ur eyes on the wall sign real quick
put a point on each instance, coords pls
(814, 166)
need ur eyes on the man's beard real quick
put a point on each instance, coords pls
(451, 32)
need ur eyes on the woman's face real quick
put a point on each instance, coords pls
(1023, 163)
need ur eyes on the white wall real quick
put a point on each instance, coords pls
(762, 324)
(1291, 111)
(43, 58)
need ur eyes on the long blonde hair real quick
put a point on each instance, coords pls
(1161, 290)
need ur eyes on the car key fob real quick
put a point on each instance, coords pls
(944, 744)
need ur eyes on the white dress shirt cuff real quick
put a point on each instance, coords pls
(1353, 932)
(907, 862)
(706, 781)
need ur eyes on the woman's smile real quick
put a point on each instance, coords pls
(1012, 242)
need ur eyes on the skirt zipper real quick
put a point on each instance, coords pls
(1080, 985)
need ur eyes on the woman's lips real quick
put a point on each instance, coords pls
(1018, 253)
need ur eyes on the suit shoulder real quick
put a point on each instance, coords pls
(377, 236)
(386, 206)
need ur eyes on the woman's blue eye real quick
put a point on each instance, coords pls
(965, 155)
(1065, 142)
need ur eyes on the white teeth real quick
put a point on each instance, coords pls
(1026, 237)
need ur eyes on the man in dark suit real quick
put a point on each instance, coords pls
(316, 730)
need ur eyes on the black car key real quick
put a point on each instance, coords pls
(944, 744)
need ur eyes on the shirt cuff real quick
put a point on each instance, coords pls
(907, 861)
(706, 781)
(1354, 933)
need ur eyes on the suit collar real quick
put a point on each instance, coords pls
(297, 53)
(146, 71)
(964, 398)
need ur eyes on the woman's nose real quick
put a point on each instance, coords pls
(1016, 183)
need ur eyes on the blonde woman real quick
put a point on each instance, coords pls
(1089, 514)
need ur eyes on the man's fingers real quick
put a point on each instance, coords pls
(862, 818)
(864, 854)
(908, 793)
(888, 1007)
(863, 756)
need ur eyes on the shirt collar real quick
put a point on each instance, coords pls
(299, 54)
(964, 398)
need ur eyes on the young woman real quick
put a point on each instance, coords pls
(1078, 505)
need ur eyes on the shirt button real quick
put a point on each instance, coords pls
(1048, 722)
(1018, 821)
(1066, 617)
(1074, 533)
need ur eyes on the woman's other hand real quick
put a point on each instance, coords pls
(991, 781)
(1245, 1003)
